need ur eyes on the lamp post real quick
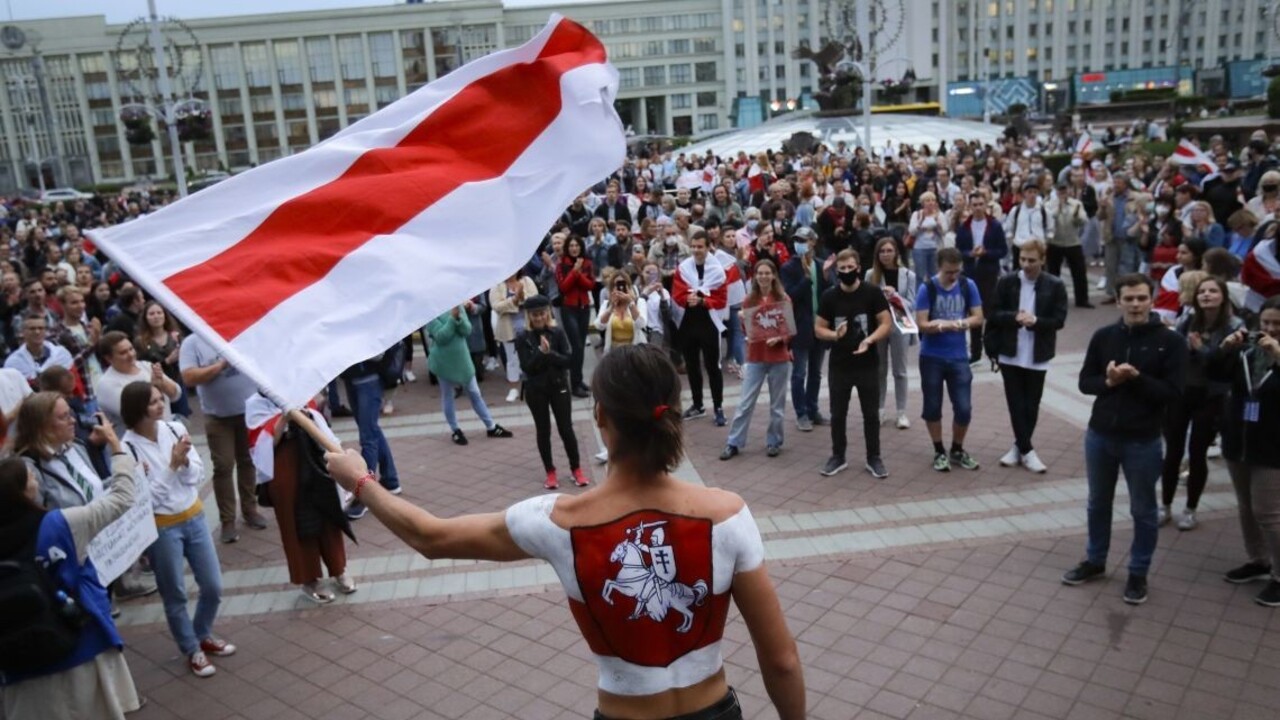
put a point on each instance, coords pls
(166, 98)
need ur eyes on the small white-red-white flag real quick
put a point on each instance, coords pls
(1188, 154)
(304, 266)
(1084, 143)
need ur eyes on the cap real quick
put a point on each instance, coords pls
(1232, 164)
(537, 302)
(804, 233)
(1030, 185)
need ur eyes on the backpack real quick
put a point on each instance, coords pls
(1017, 215)
(391, 366)
(39, 624)
(932, 288)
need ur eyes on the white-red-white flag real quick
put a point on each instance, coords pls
(1188, 154)
(304, 266)
(1084, 143)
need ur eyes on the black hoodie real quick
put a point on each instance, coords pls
(1134, 410)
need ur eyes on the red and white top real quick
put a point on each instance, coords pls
(650, 589)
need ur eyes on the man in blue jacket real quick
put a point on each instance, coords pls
(981, 240)
(1135, 368)
(803, 276)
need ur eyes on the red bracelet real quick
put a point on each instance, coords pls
(364, 480)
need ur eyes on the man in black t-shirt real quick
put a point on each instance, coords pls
(853, 317)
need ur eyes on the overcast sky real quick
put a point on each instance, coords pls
(119, 11)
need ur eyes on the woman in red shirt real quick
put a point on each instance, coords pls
(576, 279)
(769, 326)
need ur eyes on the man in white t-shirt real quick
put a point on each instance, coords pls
(125, 367)
(36, 352)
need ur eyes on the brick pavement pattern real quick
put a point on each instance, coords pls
(924, 596)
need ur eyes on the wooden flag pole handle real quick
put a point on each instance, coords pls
(303, 421)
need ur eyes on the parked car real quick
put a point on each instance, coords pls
(54, 195)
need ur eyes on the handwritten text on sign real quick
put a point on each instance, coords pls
(121, 543)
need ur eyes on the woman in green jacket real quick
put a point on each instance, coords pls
(450, 361)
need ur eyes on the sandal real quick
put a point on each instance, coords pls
(313, 592)
(346, 585)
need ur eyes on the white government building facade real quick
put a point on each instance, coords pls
(278, 83)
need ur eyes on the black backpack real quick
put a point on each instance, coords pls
(37, 627)
(391, 365)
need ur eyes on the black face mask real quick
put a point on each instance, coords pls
(848, 277)
(1270, 188)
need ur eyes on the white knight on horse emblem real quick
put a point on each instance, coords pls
(652, 583)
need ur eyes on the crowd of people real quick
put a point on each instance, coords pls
(776, 268)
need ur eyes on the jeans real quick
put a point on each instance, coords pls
(334, 399)
(806, 378)
(193, 541)
(958, 377)
(229, 449)
(727, 708)
(1201, 414)
(365, 396)
(1074, 257)
(544, 404)
(577, 323)
(735, 339)
(702, 342)
(754, 375)
(1258, 494)
(842, 382)
(894, 350)
(1023, 389)
(1105, 456)
(925, 262)
(1120, 257)
(477, 403)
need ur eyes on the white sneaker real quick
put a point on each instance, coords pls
(1188, 520)
(1214, 452)
(513, 395)
(602, 457)
(1011, 458)
(883, 416)
(903, 422)
(1031, 461)
(409, 377)
(1165, 515)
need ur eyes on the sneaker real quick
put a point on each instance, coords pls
(1270, 595)
(200, 665)
(408, 376)
(1247, 573)
(876, 467)
(720, 421)
(694, 412)
(834, 465)
(497, 431)
(459, 438)
(903, 422)
(356, 510)
(964, 460)
(1135, 590)
(345, 584)
(729, 452)
(1083, 573)
(602, 457)
(1164, 515)
(773, 450)
(1032, 462)
(217, 647)
(392, 487)
(255, 521)
(229, 533)
(579, 478)
(552, 482)
(513, 395)
(1187, 521)
(1013, 458)
(1214, 452)
(941, 463)
(130, 589)
(804, 424)
(819, 419)
(388, 409)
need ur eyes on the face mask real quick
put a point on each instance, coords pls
(752, 225)
(847, 277)
(1151, 206)
(671, 240)
(865, 209)
(1270, 188)
(1162, 210)
(802, 248)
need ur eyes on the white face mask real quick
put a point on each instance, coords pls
(1162, 210)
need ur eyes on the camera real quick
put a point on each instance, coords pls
(1254, 337)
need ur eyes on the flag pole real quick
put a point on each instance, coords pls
(300, 419)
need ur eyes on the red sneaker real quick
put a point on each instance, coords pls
(579, 478)
(217, 647)
(551, 483)
(200, 665)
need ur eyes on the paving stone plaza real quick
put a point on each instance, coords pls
(921, 596)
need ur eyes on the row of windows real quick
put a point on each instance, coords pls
(1171, 7)
(676, 74)
(654, 48)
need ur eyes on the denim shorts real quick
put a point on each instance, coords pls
(958, 376)
(726, 708)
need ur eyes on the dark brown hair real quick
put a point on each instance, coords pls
(108, 343)
(1198, 321)
(638, 390)
(13, 484)
(134, 400)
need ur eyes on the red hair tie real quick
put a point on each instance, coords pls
(659, 411)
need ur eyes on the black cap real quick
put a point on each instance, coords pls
(1232, 164)
(537, 302)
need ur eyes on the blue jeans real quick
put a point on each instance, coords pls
(334, 399)
(190, 540)
(477, 403)
(754, 375)
(1141, 460)
(806, 379)
(365, 396)
(958, 377)
(735, 340)
(925, 262)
